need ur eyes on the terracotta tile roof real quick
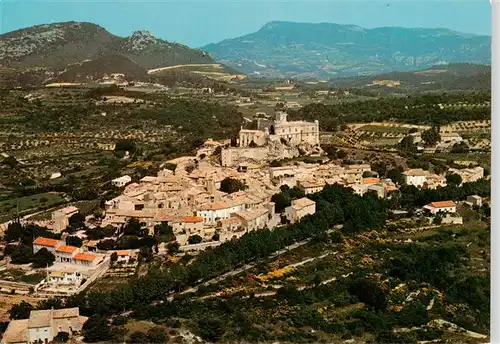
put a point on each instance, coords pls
(252, 214)
(443, 204)
(66, 249)
(302, 203)
(40, 318)
(215, 206)
(123, 253)
(230, 220)
(89, 257)
(162, 216)
(371, 180)
(66, 313)
(192, 219)
(16, 332)
(69, 210)
(46, 242)
(415, 172)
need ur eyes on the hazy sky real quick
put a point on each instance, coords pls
(197, 23)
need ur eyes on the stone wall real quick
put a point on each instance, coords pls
(232, 156)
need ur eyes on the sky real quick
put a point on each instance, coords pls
(196, 23)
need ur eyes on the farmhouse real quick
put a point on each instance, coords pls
(66, 276)
(43, 325)
(122, 181)
(47, 243)
(475, 200)
(64, 253)
(441, 207)
(311, 186)
(300, 208)
(258, 218)
(187, 224)
(416, 177)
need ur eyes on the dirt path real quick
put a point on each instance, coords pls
(156, 70)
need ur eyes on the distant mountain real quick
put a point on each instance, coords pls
(62, 47)
(452, 77)
(324, 51)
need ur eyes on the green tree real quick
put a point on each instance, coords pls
(460, 148)
(133, 227)
(10, 161)
(438, 219)
(20, 311)
(61, 337)
(22, 255)
(341, 154)
(125, 146)
(173, 247)
(96, 329)
(453, 179)
(408, 145)
(15, 231)
(369, 293)
(145, 252)
(164, 232)
(431, 137)
(170, 166)
(77, 220)
(195, 239)
(230, 185)
(74, 241)
(210, 329)
(55, 302)
(157, 335)
(396, 175)
(114, 257)
(119, 320)
(43, 258)
(138, 337)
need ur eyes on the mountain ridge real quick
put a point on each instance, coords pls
(74, 42)
(319, 50)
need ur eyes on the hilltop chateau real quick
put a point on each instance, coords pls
(277, 139)
(293, 133)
